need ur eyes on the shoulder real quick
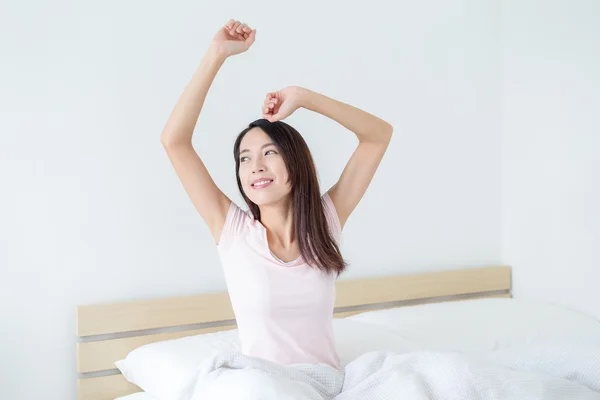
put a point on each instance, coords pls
(237, 221)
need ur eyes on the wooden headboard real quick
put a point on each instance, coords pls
(107, 332)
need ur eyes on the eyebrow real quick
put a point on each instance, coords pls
(262, 147)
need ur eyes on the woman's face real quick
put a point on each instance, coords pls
(262, 170)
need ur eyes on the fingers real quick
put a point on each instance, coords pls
(269, 100)
(268, 115)
(268, 109)
(251, 37)
(240, 30)
(269, 103)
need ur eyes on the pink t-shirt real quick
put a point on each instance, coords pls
(284, 311)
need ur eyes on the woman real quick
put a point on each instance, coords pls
(280, 258)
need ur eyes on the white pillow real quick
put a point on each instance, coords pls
(484, 324)
(162, 369)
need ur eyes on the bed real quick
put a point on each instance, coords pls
(153, 341)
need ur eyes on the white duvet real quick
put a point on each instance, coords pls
(551, 370)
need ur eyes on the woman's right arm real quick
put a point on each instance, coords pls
(212, 204)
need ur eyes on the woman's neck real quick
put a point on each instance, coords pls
(278, 220)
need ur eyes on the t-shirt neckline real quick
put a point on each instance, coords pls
(273, 256)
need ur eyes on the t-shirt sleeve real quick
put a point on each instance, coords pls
(235, 224)
(332, 217)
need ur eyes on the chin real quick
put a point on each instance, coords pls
(261, 199)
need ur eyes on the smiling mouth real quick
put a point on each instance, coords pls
(262, 184)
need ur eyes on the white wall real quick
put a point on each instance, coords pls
(551, 150)
(91, 210)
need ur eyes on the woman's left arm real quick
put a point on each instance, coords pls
(374, 135)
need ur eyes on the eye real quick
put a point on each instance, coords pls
(243, 159)
(273, 151)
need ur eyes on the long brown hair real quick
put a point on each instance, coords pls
(316, 242)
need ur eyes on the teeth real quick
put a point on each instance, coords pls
(261, 183)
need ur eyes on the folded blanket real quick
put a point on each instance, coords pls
(552, 372)
(232, 376)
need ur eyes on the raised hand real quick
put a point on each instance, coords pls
(282, 103)
(233, 38)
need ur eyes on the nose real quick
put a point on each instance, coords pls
(258, 167)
